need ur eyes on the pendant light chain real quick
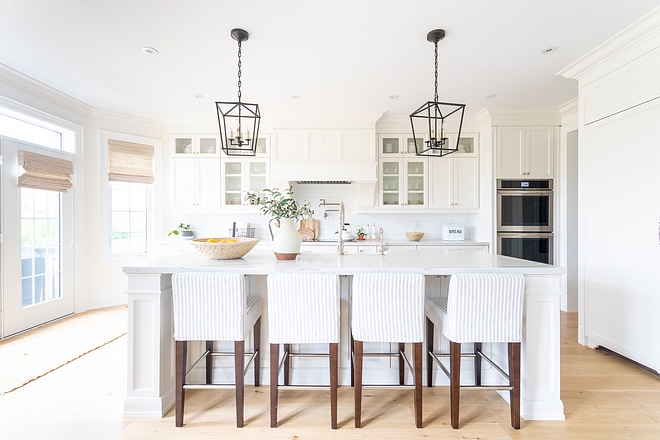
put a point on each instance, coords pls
(239, 70)
(436, 71)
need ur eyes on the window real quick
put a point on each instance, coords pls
(130, 165)
(130, 218)
(40, 245)
(26, 128)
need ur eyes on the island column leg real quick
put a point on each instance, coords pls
(150, 363)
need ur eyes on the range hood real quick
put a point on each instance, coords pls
(318, 172)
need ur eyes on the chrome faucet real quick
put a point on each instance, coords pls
(340, 243)
(383, 246)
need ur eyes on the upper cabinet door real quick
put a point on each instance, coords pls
(203, 144)
(510, 146)
(539, 151)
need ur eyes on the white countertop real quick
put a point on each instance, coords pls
(425, 261)
(400, 243)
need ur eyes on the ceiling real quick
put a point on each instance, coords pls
(336, 55)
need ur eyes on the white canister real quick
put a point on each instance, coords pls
(453, 233)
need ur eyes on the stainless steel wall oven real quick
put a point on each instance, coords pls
(524, 219)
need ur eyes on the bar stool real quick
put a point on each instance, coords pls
(212, 306)
(388, 307)
(484, 307)
(303, 308)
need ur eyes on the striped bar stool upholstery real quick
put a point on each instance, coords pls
(303, 308)
(484, 307)
(388, 307)
(212, 306)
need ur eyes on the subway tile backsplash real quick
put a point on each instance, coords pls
(394, 224)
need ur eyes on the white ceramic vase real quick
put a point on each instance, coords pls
(286, 240)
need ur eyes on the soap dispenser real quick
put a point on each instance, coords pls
(373, 235)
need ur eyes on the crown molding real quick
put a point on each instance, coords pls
(26, 84)
(122, 118)
(636, 34)
(569, 112)
(495, 116)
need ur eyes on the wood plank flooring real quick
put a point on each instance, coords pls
(604, 398)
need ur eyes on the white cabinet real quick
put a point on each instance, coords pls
(324, 146)
(263, 145)
(402, 182)
(202, 144)
(397, 145)
(454, 183)
(525, 152)
(195, 182)
(240, 175)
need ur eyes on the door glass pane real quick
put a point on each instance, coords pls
(390, 145)
(390, 183)
(40, 246)
(415, 183)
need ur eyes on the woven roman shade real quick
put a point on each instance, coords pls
(130, 162)
(44, 172)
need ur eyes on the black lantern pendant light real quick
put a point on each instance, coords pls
(434, 117)
(238, 121)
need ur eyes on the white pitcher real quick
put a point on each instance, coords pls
(286, 240)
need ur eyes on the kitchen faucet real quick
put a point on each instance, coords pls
(340, 243)
(383, 245)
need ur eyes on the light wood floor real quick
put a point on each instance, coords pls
(604, 398)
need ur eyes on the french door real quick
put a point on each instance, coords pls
(37, 252)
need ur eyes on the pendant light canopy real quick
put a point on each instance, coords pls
(432, 119)
(238, 121)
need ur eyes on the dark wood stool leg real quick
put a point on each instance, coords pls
(402, 375)
(209, 362)
(477, 364)
(239, 365)
(358, 383)
(334, 378)
(514, 381)
(417, 375)
(274, 361)
(287, 363)
(257, 348)
(454, 381)
(180, 393)
(352, 361)
(429, 349)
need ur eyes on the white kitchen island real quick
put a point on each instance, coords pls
(151, 344)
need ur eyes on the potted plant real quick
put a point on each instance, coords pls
(361, 234)
(183, 231)
(285, 210)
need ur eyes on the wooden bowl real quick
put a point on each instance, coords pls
(224, 250)
(414, 236)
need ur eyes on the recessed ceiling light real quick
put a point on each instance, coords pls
(149, 50)
(550, 49)
(198, 96)
(295, 96)
(494, 95)
(393, 96)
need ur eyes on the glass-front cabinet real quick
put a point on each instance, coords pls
(390, 145)
(240, 175)
(187, 144)
(403, 183)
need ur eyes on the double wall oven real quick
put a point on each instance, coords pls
(524, 219)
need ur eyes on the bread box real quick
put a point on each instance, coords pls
(453, 233)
